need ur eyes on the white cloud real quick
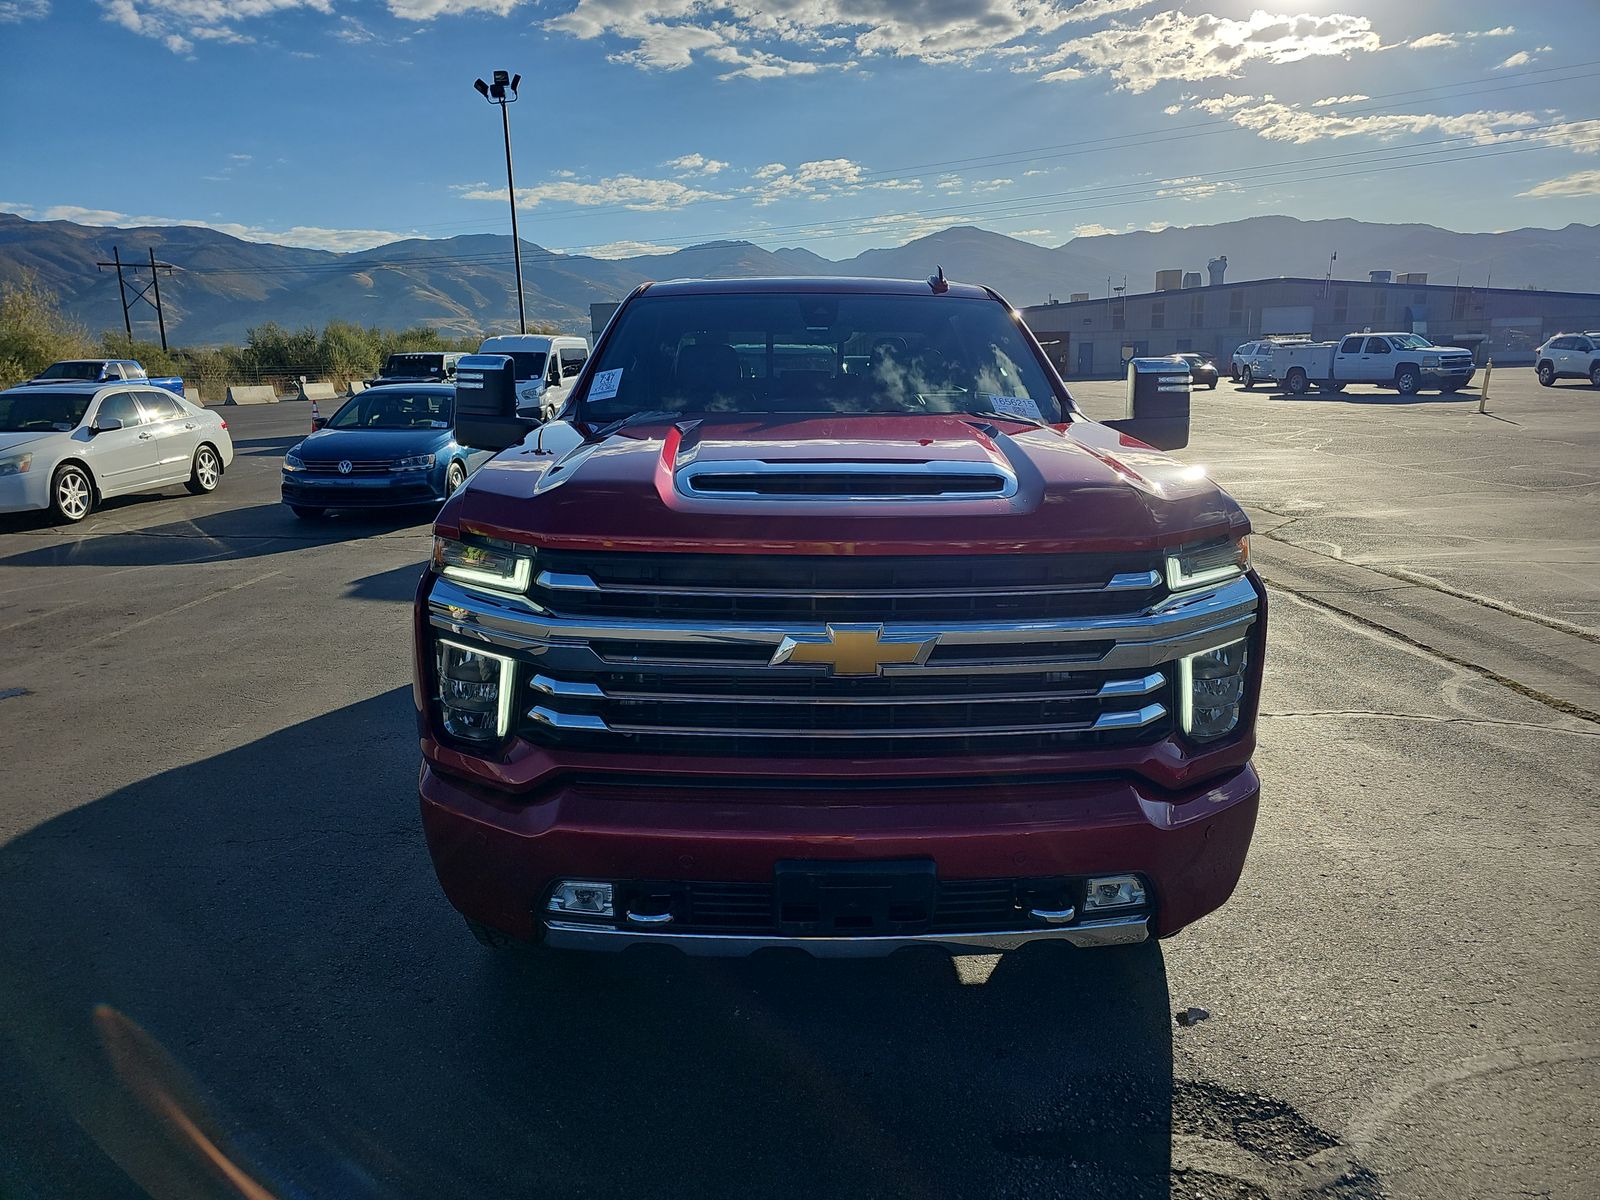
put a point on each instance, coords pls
(179, 24)
(1352, 98)
(628, 191)
(990, 185)
(1175, 45)
(768, 38)
(623, 249)
(1280, 122)
(13, 12)
(316, 237)
(1521, 58)
(771, 171)
(1092, 229)
(1193, 187)
(1032, 234)
(1433, 41)
(1580, 183)
(1497, 31)
(695, 164)
(426, 10)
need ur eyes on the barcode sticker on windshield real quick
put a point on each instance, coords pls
(1019, 405)
(604, 385)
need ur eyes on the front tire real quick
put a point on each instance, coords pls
(454, 477)
(71, 494)
(1547, 374)
(206, 472)
(1594, 375)
(1248, 377)
(1407, 382)
(1212, 386)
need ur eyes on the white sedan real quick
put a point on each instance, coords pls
(66, 446)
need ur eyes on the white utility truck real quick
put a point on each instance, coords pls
(1407, 362)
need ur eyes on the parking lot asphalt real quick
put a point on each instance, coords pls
(222, 942)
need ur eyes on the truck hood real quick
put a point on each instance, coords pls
(935, 483)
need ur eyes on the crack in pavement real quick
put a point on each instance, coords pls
(1442, 720)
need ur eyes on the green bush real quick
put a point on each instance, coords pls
(33, 333)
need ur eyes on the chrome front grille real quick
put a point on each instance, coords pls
(619, 684)
(745, 587)
(371, 466)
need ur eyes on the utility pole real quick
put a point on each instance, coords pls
(139, 290)
(503, 91)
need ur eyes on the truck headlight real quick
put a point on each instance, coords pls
(16, 464)
(487, 563)
(1207, 563)
(1211, 690)
(417, 462)
(293, 462)
(475, 690)
(1430, 362)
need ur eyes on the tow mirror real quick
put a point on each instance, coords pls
(1158, 403)
(486, 403)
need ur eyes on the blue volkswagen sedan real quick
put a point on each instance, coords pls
(388, 447)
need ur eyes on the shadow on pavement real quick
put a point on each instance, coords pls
(398, 585)
(252, 950)
(237, 533)
(1383, 398)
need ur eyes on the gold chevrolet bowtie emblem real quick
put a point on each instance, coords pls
(852, 649)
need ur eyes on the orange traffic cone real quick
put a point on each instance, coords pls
(316, 417)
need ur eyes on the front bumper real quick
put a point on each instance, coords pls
(357, 492)
(498, 855)
(1448, 378)
(27, 492)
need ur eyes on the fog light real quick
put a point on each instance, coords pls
(575, 897)
(1211, 691)
(474, 692)
(1113, 891)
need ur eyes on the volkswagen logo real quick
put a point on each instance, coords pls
(344, 466)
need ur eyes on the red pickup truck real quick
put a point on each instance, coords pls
(821, 617)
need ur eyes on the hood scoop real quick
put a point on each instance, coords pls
(757, 479)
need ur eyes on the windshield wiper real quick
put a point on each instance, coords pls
(1037, 422)
(622, 423)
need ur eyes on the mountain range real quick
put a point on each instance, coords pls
(465, 284)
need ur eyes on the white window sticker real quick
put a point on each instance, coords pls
(604, 385)
(1018, 405)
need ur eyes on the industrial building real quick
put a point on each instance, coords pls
(1088, 337)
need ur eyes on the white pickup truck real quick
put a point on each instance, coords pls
(1406, 362)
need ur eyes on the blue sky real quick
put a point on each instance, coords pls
(832, 124)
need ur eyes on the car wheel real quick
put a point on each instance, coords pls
(1407, 381)
(1296, 382)
(71, 494)
(1212, 386)
(1547, 374)
(1248, 378)
(454, 478)
(1594, 375)
(206, 472)
(308, 514)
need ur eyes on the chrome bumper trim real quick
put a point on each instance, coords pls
(1113, 931)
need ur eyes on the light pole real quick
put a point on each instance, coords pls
(503, 91)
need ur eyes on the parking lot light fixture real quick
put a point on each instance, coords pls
(503, 91)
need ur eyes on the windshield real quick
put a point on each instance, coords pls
(819, 353)
(525, 364)
(413, 364)
(1409, 341)
(71, 370)
(396, 410)
(42, 412)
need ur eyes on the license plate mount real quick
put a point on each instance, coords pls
(822, 898)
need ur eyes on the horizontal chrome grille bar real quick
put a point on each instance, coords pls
(1135, 719)
(561, 581)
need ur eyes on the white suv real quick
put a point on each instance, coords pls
(1569, 356)
(545, 366)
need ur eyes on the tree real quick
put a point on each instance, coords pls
(33, 333)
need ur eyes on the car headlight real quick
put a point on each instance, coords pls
(293, 462)
(1207, 563)
(417, 462)
(475, 691)
(1431, 360)
(485, 563)
(16, 464)
(1211, 690)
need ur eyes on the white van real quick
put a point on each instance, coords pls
(545, 365)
